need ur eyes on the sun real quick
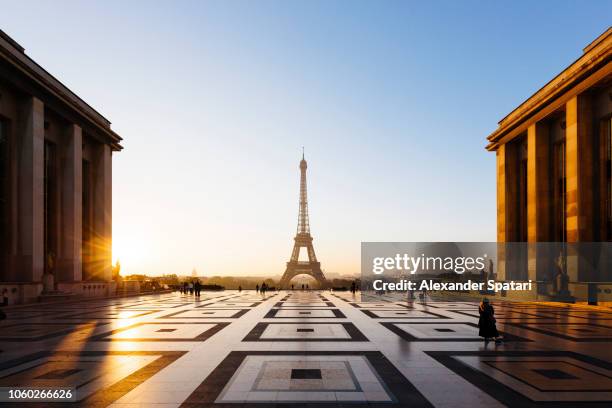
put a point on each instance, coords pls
(131, 250)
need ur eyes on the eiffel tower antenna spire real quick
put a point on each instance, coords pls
(303, 239)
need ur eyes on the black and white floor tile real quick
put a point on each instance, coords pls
(295, 349)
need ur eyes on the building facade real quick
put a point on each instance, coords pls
(55, 185)
(554, 173)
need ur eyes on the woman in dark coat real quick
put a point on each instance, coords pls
(486, 322)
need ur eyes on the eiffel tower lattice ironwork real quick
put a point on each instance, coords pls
(303, 239)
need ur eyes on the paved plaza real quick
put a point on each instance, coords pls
(308, 348)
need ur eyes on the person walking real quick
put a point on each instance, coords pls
(486, 322)
(2, 317)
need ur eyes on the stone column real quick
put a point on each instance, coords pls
(70, 264)
(31, 139)
(500, 155)
(102, 245)
(538, 200)
(507, 209)
(580, 180)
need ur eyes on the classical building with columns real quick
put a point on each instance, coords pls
(55, 185)
(554, 174)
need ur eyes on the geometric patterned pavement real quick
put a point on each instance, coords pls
(230, 349)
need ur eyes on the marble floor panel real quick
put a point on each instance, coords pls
(95, 378)
(207, 313)
(231, 304)
(305, 332)
(402, 314)
(305, 313)
(310, 305)
(307, 348)
(455, 331)
(154, 331)
(335, 378)
(528, 379)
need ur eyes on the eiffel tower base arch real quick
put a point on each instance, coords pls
(303, 268)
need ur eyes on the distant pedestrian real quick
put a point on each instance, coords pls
(486, 322)
(257, 288)
(239, 288)
(2, 317)
(423, 295)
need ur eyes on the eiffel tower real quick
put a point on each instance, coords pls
(303, 239)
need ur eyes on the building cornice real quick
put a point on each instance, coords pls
(595, 61)
(14, 55)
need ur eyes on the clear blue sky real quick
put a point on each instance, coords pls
(392, 100)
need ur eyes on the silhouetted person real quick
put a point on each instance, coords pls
(306, 286)
(239, 288)
(484, 276)
(197, 288)
(423, 295)
(2, 317)
(486, 322)
(257, 288)
(291, 287)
